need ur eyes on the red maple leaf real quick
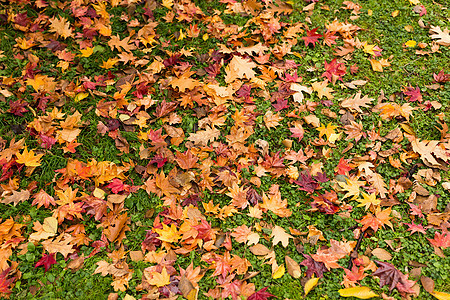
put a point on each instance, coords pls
(116, 186)
(334, 68)
(314, 267)
(311, 37)
(329, 37)
(297, 131)
(306, 183)
(415, 210)
(5, 283)
(415, 228)
(414, 94)
(46, 261)
(440, 240)
(280, 104)
(262, 294)
(343, 167)
(441, 77)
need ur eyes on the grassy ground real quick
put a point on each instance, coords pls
(119, 148)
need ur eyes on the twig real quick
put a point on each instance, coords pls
(355, 250)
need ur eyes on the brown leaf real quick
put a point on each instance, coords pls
(427, 283)
(381, 254)
(16, 197)
(293, 267)
(259, 249)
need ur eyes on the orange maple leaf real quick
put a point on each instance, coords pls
(28, 158)
(380, 219)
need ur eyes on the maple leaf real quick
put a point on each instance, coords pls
(275, 204)
(306, 182)
(311, 37)
(168, 234)
(5, 283)
(440, 240)
(262, 294)
(61, 27)
(314, 267)
(415, 228)
(380, 219)
(343, 167)
(354, 131)
(334, 69)
(28, 158)
(329, 38)
(414, 94)
(186, 160)
(368, 201)
(242, 68)
(425, 148)
(159, 278)
(43, 199)
(297, 131)
(352, 188)
(392, 277)
(328, 131)
(46, 261)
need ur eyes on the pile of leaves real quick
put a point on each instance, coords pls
(229, 149)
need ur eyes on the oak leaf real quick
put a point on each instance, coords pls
(16, 197)
(61, 26)
(355, 103)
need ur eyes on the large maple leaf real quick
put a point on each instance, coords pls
(392, 277)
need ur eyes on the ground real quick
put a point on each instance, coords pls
(224, 149)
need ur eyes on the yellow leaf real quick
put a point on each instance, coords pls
(167, 3)
(368, 200)
(376, 65)
(28, 158)
(395, 13)
(310, 284)
(441, 295)
(109, 63)
(168, 234)
(328, 131)
(279, 272)
(414, 2)
(50, 225)
(80, 96)
(160, 279)
(361, 292)
(86, 52)
(410, 43)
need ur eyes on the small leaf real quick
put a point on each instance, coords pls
(279, 272)
(293, 267)
(361, 292)
(310, 284)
